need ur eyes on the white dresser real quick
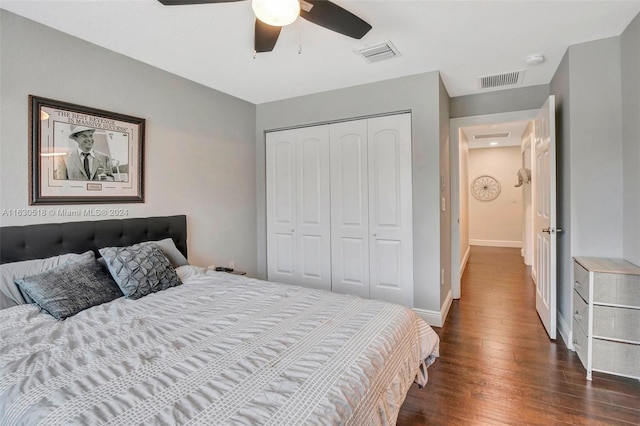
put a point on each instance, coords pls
(606, 315)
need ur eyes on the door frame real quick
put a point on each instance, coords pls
(455, 125)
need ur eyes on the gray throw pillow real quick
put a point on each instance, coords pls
(10, 294)
(70, 288)
(140, 269)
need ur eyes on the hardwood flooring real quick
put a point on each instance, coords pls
(497, 365)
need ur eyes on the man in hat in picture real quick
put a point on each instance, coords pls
(84, 163)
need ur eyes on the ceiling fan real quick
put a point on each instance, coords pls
(272, 15)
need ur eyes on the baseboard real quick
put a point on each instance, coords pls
(496, 243)
(565, 332)
(465, 259)
(435, 318)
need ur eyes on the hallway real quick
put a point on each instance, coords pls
(498, 366)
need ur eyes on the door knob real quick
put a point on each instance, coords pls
(550, 231)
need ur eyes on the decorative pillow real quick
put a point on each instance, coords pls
(140, 269)
(70, 288)
(10, 294)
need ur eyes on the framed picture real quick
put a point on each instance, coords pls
(81, 155)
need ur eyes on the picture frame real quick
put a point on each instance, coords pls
(84, 155)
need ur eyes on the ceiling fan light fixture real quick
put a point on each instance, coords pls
(276, 12)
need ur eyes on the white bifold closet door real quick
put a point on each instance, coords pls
(298, 212)
(371, 208)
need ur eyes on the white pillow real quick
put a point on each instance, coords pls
(169, 249)
(10, 294)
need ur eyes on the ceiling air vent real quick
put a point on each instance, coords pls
(492, 136)
(499, 80)
(378, 52)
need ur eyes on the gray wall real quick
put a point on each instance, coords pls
(590, 158)
(445, 192)
(630, 61)
(596, 148)
(418, 93)
(197, 139)
(560, 87)
(519, 99)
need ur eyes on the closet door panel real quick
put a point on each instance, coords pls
(385, 152)
(283, 256)
(390, 208)
(349, 208)
(389, 271)
(354, 264)
(281, 205)
(313, 228)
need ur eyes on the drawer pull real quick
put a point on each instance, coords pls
(577, 316)
(576, 344)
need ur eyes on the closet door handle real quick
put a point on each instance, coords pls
(293, 230)
(375, 234)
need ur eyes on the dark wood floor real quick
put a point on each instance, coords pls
(497, 365)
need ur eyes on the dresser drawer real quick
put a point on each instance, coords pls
(621, 289)
(616, 323)
(616, 357)
(580, 312)
(580, 343)
(581, 281)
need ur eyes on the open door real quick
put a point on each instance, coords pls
(544, 180)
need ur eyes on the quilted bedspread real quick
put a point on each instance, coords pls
(220, 349)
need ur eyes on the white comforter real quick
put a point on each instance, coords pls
(220, 349)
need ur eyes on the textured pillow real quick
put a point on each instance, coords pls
(10, 294)
(140, 269)
(70, 288)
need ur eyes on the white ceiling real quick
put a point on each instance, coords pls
(213, 44)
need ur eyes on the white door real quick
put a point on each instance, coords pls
(349, 208)
(544, 179)
(298, 215)
(390, 209)
(281, 205)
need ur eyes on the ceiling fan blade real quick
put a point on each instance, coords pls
(265, 36)
(333, 17)
(184, 2)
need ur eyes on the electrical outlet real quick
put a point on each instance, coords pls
(441, 276)
(232, 264)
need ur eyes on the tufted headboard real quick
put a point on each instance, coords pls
(45, 240)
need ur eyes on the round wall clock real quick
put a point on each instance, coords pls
(485, 188)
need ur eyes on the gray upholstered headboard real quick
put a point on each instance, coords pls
(45, 240)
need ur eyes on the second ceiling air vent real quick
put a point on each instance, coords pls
(378, 52)
(498, 80)
(492, 136)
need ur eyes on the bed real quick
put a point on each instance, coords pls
(216, 349)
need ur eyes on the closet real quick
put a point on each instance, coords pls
(339, 207)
